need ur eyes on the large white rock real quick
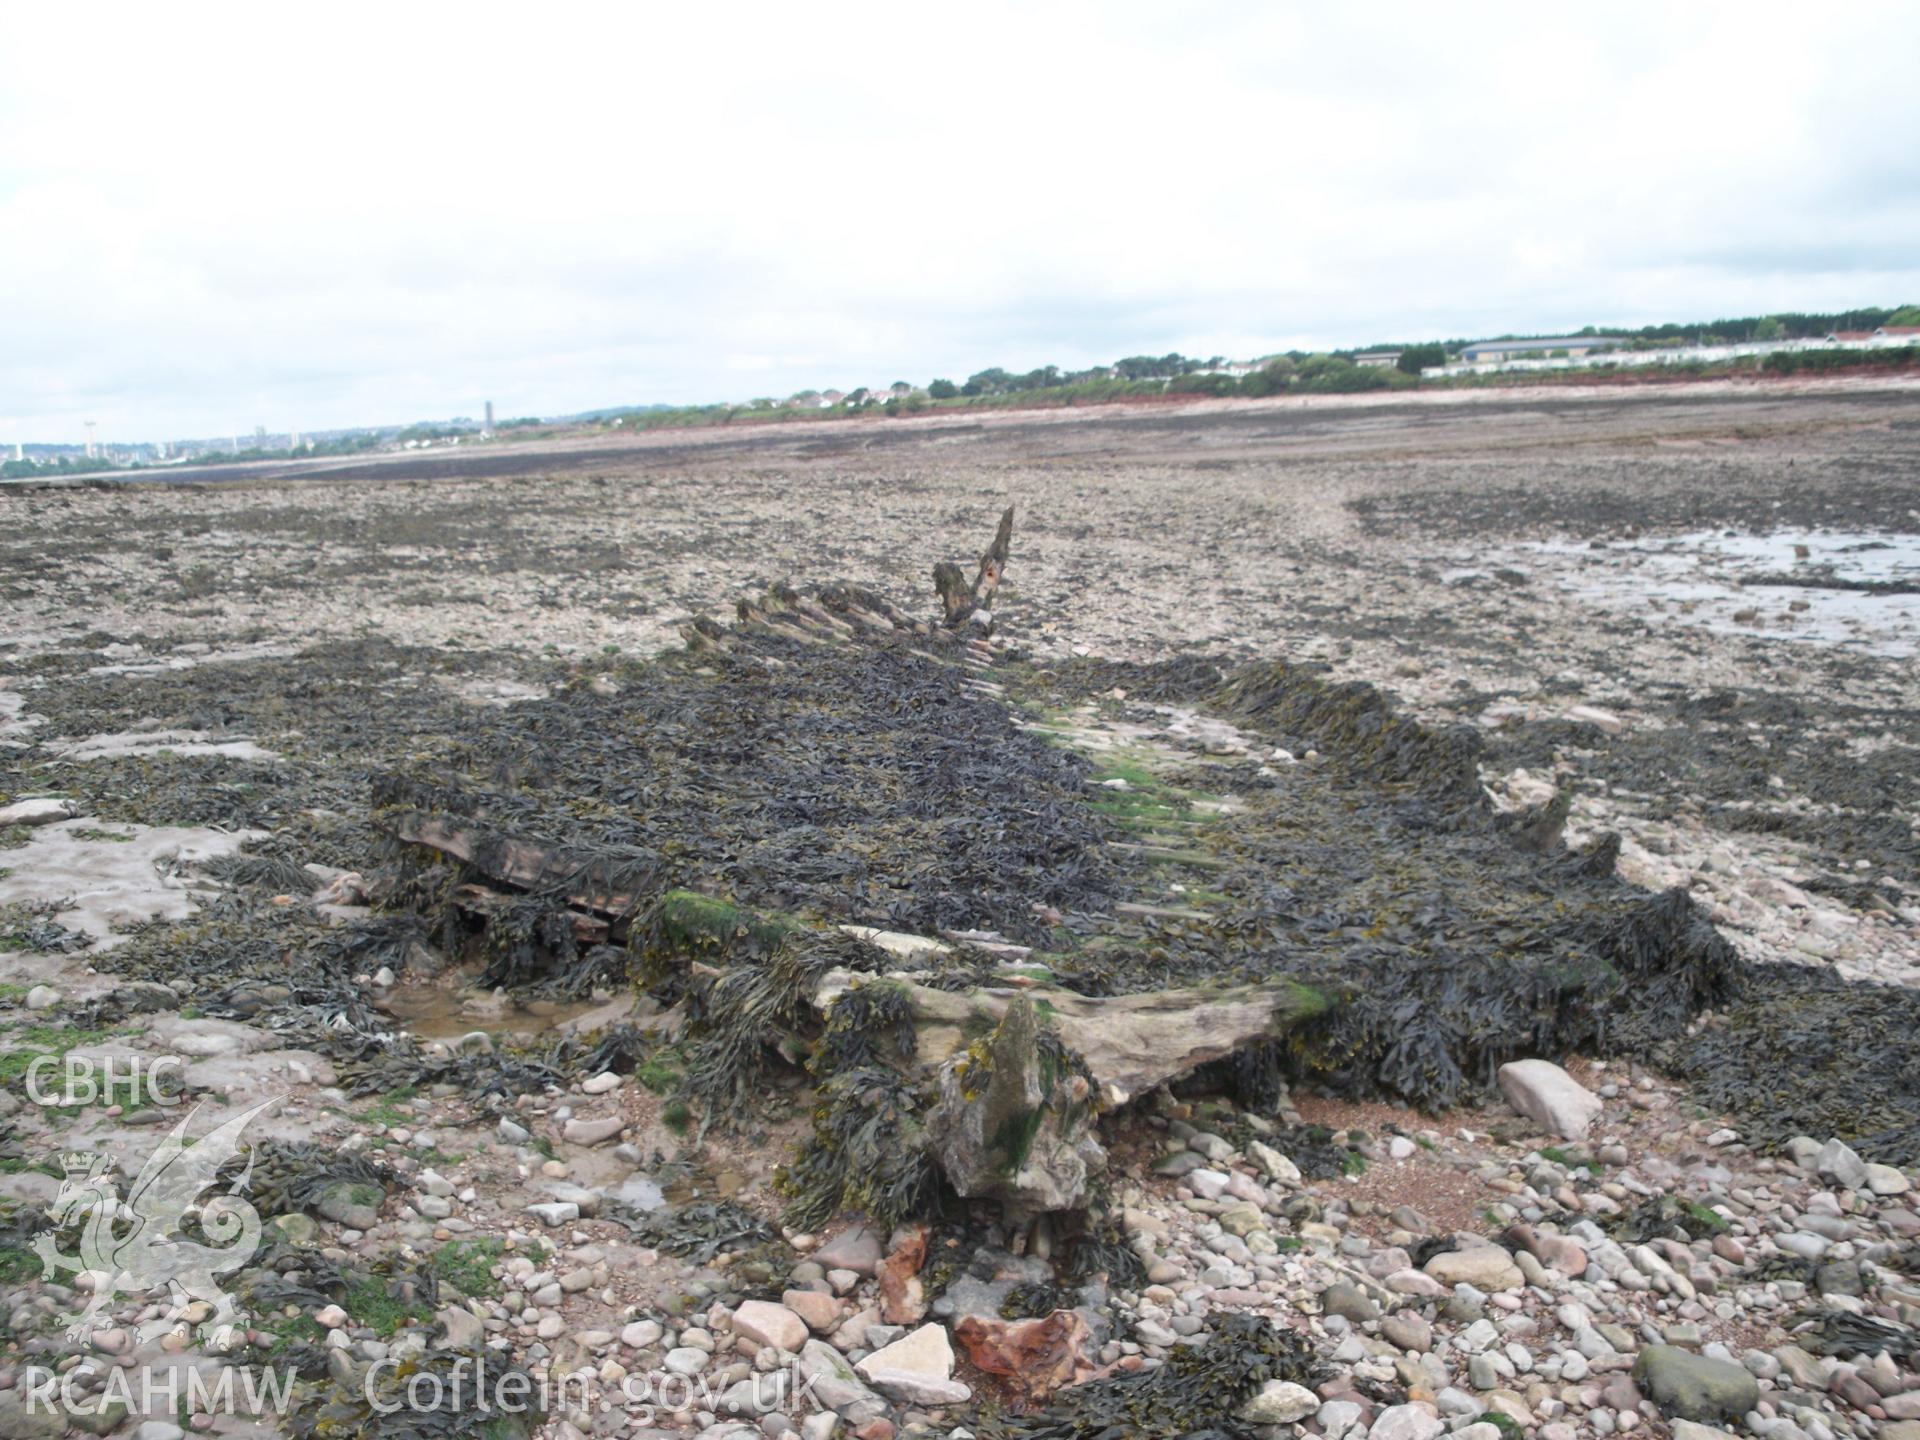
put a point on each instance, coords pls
(582, 1131)
(1485, 1267)
(857, 1249)
(765, 1323)
(1207, 1184)
(920, 1389)
(1693, 1430)
(42, 810)
(917, 1367)
(1885, 1180)
(686, 1360)
(1838, 1164)
(830, 1377)
(1279, 1168)
(1406, 1422)
(1280, 1402)
(1550, 1097)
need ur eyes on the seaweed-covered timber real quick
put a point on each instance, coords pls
(1370, 922)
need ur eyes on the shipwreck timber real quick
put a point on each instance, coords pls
(991, 950)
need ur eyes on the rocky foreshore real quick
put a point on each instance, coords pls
(1470, 1279)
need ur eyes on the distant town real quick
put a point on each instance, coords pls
(1782, 343)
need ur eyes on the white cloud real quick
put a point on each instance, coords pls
(210, 219)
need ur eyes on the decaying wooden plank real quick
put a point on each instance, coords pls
(479, 900)
(521, 864)
(1131, 1043)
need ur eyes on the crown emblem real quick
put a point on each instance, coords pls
(81, 1164)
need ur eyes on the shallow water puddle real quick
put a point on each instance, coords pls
(1788, 585)
(640, 1192)
(643, 1192)
(434, 1012)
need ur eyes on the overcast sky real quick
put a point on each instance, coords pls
(301, 216)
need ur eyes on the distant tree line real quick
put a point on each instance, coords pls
(1794, 362)
(59, 465)
(1745, 330)
(355, 443)
(1296, 372)
(996, 381)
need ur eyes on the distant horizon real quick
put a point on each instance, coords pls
(505, 413)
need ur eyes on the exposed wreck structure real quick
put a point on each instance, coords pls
(835, 836)
(951, 930)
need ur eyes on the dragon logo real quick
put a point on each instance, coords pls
(139, 1244)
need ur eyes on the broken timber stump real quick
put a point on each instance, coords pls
(963, 602)
(1015, 1120)
(840, 613)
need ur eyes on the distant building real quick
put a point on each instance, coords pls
(1850, 337)
(1898, 332)
(1378, 358)
(831, 398)
(1536, 349)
